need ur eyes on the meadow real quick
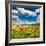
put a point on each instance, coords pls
(25, 31)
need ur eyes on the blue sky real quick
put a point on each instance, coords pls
(26, 14)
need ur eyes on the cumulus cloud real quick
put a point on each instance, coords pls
(38, 19)
(19, 21)
(37, 10)
(32, 22)
(24, 11)
(14, 16)
(15, 11)
(19, 8)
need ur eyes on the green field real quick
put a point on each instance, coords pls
(25, 31)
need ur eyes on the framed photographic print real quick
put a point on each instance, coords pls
(25, 22)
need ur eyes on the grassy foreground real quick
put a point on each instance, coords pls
(25, 31)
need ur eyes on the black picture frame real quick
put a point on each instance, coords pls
(6, 37)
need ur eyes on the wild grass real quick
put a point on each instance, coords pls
(25, 31)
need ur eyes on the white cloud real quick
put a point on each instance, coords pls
(38, 19)
(14, 16)
(17, 18)
(24, 11)
(19, 8)
(32, 22)
(15, 11)
(18, 21)
(37, 10)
